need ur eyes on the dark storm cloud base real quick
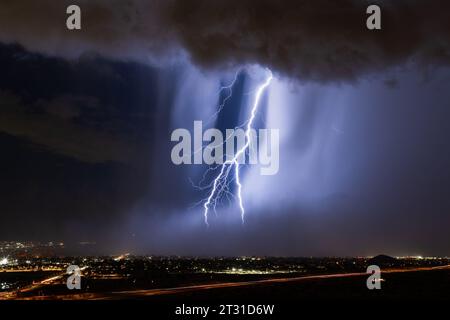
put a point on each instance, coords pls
(320, 40)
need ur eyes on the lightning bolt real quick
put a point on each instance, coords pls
(228, 88)
(221, 183)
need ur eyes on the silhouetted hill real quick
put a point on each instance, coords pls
(383, 260)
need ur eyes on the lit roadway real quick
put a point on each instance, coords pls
(168, 291)
(34, 286)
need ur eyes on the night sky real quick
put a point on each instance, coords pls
(86, 118)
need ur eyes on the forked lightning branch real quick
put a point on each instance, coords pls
(221, 148)
(225, 154)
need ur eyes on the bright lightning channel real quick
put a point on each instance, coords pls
(228, 88)
(220, 183)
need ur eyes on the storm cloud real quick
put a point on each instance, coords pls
(86, 118)
(320, 40)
